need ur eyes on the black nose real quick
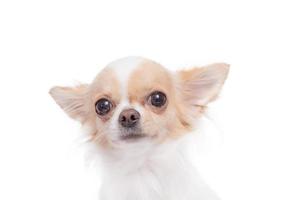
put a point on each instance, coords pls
(129, 118)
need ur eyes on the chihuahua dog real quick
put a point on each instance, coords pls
(138, 113)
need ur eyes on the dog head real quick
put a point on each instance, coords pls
(135, 99)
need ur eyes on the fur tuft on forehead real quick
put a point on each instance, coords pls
(127, 63)
(122, 68)
(132, 75)
(125, 67)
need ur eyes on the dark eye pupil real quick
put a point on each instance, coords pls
(103, 106)
(158, 99)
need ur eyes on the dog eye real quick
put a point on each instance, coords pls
(103, 106)
(157, 99)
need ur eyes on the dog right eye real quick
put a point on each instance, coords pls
(103, 106)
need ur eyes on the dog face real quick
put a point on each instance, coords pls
(135, 99)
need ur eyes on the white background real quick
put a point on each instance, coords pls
(46, 43)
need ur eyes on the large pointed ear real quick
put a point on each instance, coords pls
(72, 100)
(202, 85)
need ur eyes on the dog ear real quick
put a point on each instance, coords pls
(72, 100)
(202, 85)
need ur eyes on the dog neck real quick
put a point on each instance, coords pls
(137, 157)
(148, 171)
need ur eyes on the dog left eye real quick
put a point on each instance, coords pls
(157, 99)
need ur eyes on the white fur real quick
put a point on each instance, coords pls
(147, 171)
(123, 68)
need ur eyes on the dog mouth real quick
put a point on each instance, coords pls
(131, 134)
(131, 137)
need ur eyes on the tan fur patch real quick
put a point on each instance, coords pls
(150, 77)
(107, 85)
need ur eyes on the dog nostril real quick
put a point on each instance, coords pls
(132, 117)
(123, 119)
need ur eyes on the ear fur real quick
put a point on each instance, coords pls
(72, 100)
(202, 85)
